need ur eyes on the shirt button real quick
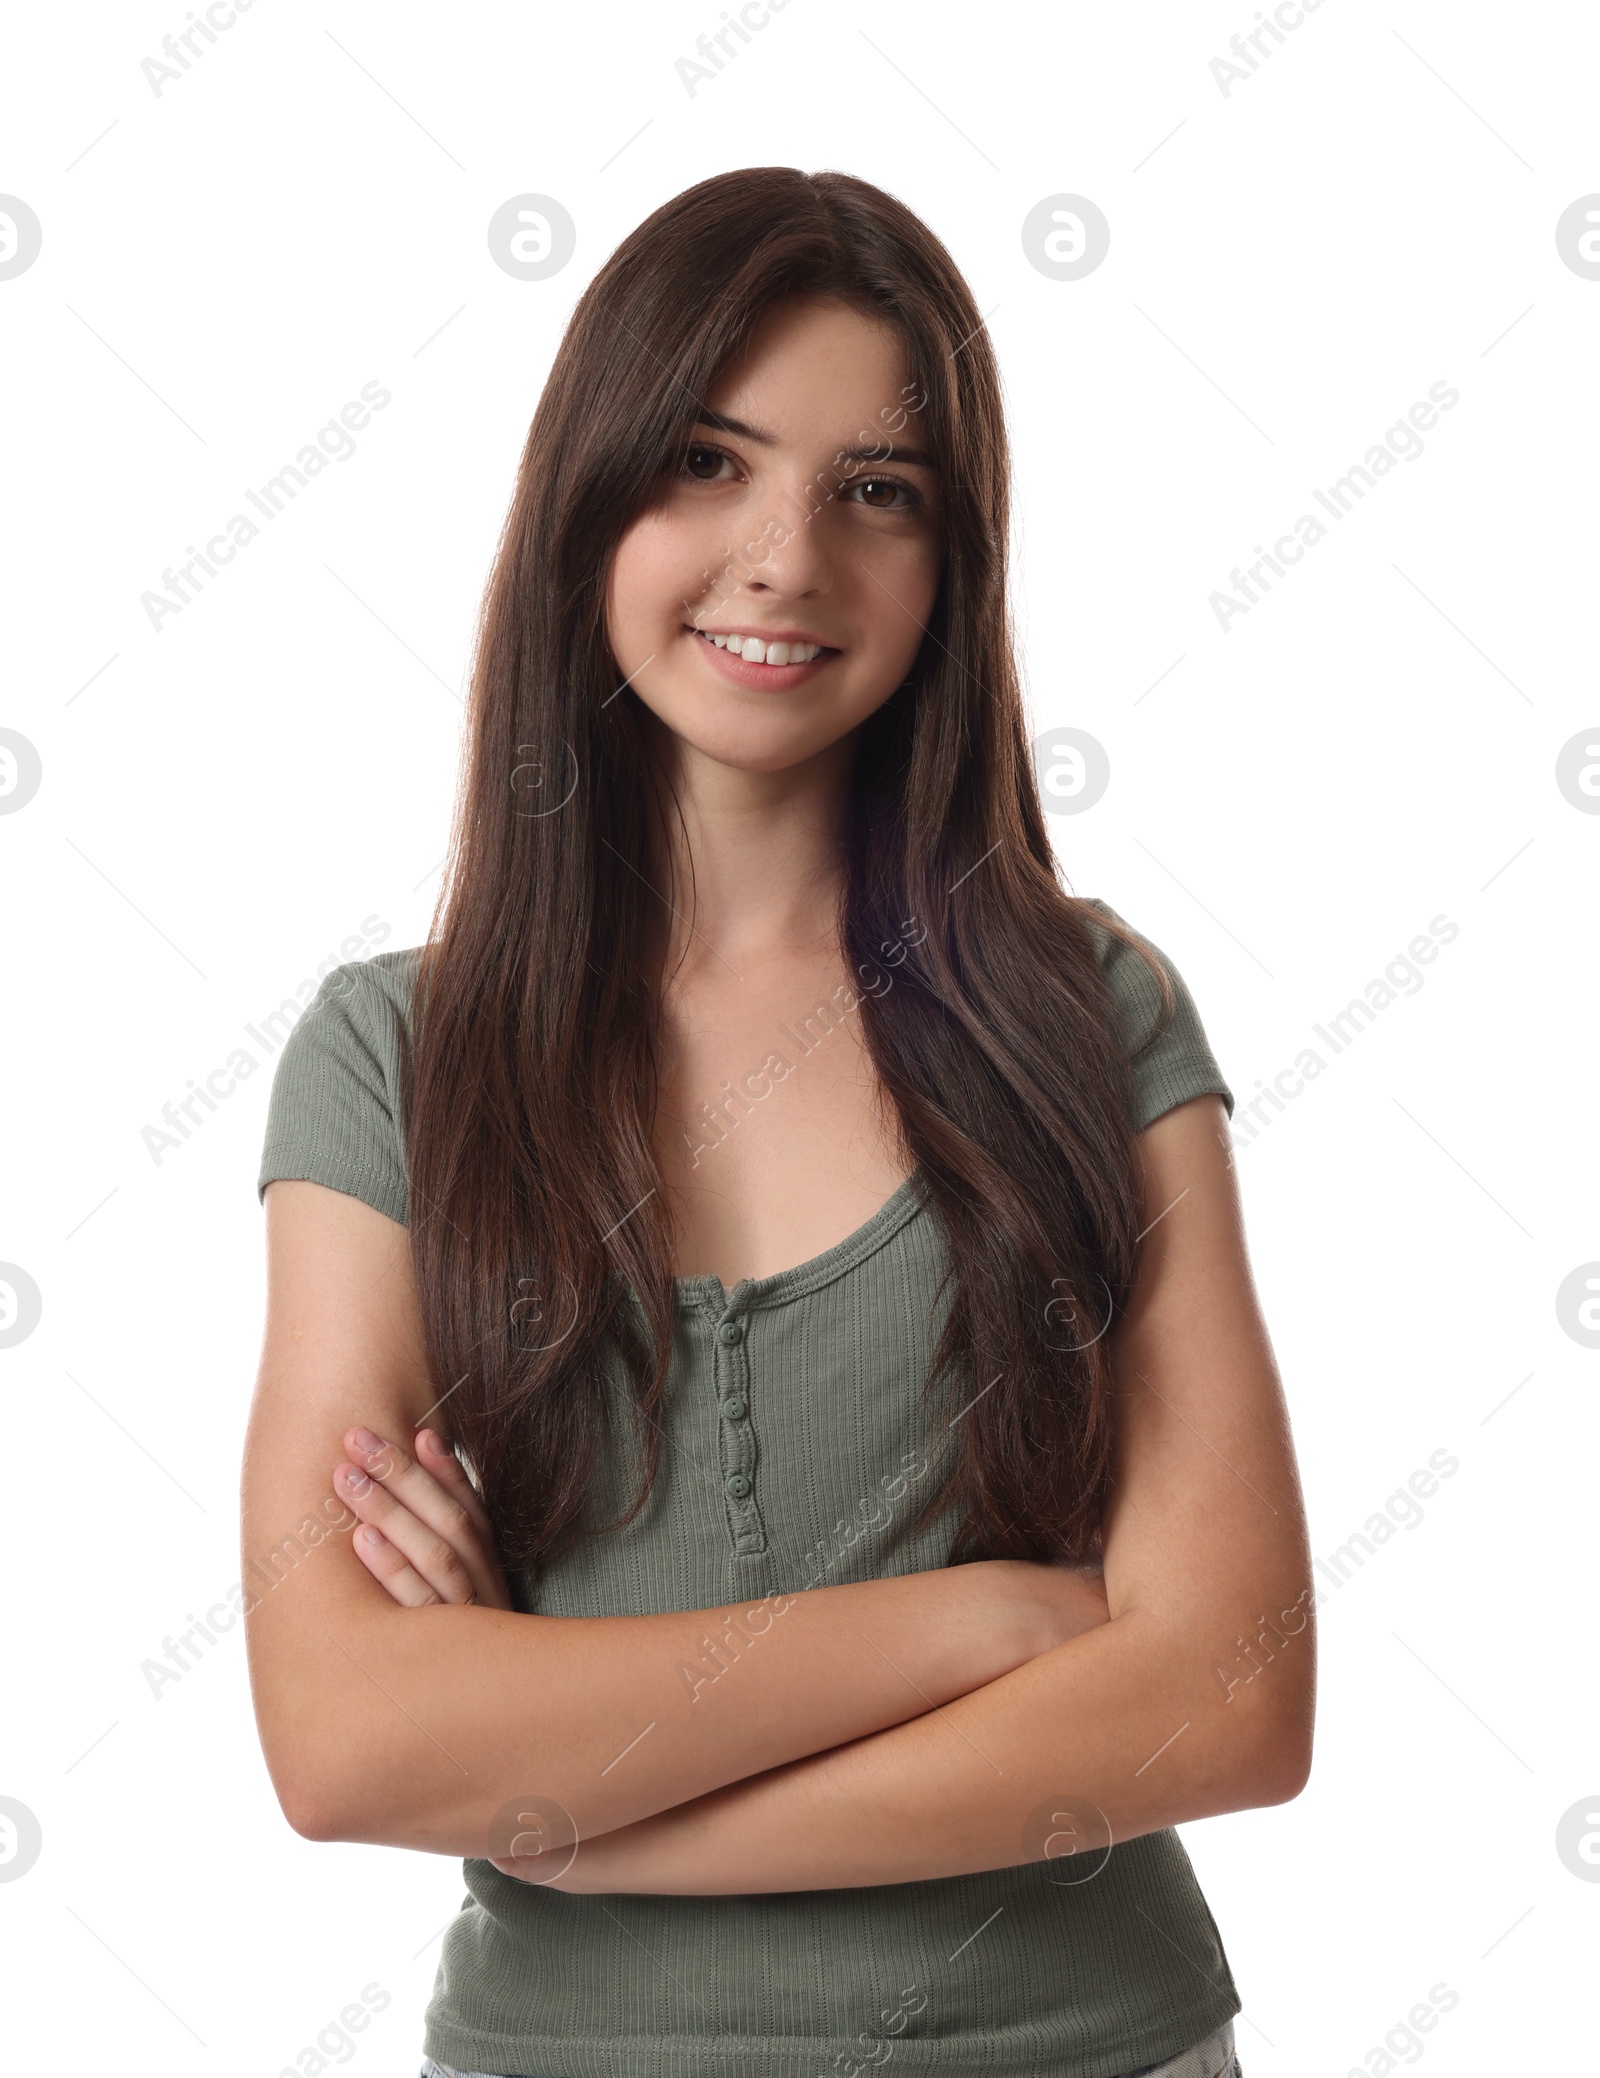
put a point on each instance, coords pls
(737, 1485)
(733, 1408)
(730, 1331)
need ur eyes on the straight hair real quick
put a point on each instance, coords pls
(540, 1235)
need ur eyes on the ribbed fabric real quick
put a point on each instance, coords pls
(796, 1434)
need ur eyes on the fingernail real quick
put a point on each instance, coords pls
(369, 1442)
(371, 1537)
(353, 1479)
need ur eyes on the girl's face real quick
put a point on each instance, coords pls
(806, 512)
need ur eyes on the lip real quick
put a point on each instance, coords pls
(768, 634)
(760, 678)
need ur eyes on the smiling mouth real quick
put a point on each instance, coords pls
(775, 656)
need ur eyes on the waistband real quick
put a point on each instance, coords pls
(1212, 2058)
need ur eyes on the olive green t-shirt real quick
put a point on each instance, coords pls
(795, 1433)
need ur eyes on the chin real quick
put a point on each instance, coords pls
(764, 749)
(751, 735)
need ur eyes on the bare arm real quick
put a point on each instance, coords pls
(1196, 1697)
(419, 1727)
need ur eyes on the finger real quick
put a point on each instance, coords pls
(429, 1555)
(445, 1536)
(388, 1567)
(436, 1456)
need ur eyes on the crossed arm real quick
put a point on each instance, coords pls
(890, 1731)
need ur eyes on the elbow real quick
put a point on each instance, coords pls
(1284, 1767)
(1262, 1757)
(312, 1814)
(1278, 1763)
(316, 1738)
(1234, 1774)
(1274, 1711)
(306, 1818)
(312, 1798)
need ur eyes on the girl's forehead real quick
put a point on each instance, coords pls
(811, 350)
(830, 417)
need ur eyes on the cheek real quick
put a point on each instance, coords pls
(635, 572)
(657, 572)
(915, 588)
(911, 570)
(659, 563)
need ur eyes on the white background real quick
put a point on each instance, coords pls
(1292, 265)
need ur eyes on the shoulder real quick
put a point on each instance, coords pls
(361, 1011)
(379, 990)
(1125, 965)
(334, 1113)
(1170, 1054)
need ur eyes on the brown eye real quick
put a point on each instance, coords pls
(702, 463)
(878, 494)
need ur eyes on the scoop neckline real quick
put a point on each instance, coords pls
(708, 1290)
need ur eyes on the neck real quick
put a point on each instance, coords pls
(754, 861)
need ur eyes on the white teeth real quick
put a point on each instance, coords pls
(754, 651)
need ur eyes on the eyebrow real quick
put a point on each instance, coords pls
(720, 423)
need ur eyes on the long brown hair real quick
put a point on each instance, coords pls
(535, 1195)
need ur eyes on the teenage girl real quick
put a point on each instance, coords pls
(765, 1442)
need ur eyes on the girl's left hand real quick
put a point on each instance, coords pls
(425, 1535)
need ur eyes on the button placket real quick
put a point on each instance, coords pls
(736, 1434)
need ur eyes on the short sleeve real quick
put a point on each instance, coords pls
(1180, 1064)
(332, 1117)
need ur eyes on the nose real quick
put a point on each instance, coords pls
(793, 559)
